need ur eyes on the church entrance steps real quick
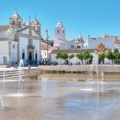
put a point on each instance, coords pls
(11, 74)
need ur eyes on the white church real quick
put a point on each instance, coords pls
(20, 41)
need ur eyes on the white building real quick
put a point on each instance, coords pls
(76, 44)
(20, 41)
(94, 42)
(95, 46)
(75, 60)
(59, 34)
(45, 51)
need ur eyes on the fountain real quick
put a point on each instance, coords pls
(1, 97)
(95, 84)
(20, 78)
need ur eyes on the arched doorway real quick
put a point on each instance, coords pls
(36, 58)
(30, 58)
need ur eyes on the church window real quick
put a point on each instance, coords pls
(58, 31)
(19, 24)
(72, 46)
(36, 57)
(23, 55)
(5, 60)
(13, 46)
(13, 23)
(63, 31)
(78, 46)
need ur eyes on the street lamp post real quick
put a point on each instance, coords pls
(47, 42)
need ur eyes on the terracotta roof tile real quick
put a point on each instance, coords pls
(4, 27)
(117, 41)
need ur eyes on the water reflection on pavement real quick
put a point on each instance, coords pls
(59, 97)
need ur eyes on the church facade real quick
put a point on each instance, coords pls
(20, 41)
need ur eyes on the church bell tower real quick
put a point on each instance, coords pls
(59, 34)
(15, 22)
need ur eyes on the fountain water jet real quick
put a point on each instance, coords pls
(95, 84)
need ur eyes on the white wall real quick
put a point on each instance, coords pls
(13, 52)
(76, 60)
(4, 48)
(5, 34)
(59, 61)
(108, 42)
(36, 43)
(23, 46)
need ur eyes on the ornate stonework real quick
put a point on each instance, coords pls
(101, 49)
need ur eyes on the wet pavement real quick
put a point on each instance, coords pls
(60, 97)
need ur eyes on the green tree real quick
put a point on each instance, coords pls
(80, 56)
(64, 55)
(110, 55)
(102, 57)
(86, 55)
(116, 54)
(59, 55)
(91, 58)
(71, 56)
(115, 51)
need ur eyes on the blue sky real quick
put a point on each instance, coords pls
(94, 17)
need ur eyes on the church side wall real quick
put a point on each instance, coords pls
(36, 43)
(23, 46)
(13, 52)
(4, 52)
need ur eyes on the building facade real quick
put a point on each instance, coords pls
(94, 42)
(76, 44)
(21, 41)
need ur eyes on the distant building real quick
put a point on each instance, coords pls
(59, 34)
(94, 52)
(116, 38)
(76, 44)
(94, 42)
(46, 51)
(20, 41)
